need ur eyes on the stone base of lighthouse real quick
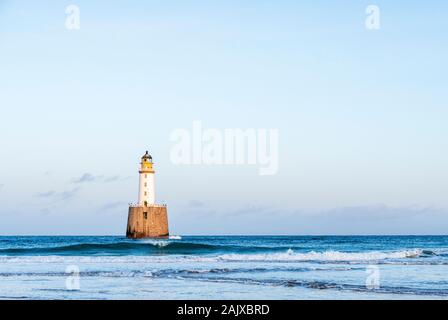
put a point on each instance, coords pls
(147, 222)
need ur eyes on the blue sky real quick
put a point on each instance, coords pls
(361, 114)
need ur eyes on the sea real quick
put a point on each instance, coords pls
(224, 267)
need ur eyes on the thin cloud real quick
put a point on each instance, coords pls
(114, 179)
(360, 220)
(46, 194)
(88, 177)
(376, 213)
(255, 210)
(63, 195)
(113, 206)
(45, 211)
(68, 194)
(196, 204)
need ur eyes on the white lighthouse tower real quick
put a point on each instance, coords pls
(146, 219)
(147, 183)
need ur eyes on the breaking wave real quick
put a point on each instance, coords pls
(141, 247)
(177, 252)
(290, 255)
(161, 273)
(138, 247)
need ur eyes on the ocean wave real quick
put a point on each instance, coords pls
(138, 247)
(135, 247)
(290, 255)
(66, 255)
(210, 251)
(171, 272)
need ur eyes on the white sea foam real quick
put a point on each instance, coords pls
(175, 237)
(288, 256)
(158, 243)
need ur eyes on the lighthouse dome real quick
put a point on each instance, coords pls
(146, 156)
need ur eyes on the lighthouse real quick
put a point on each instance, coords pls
(146, 190)
(146, 219)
